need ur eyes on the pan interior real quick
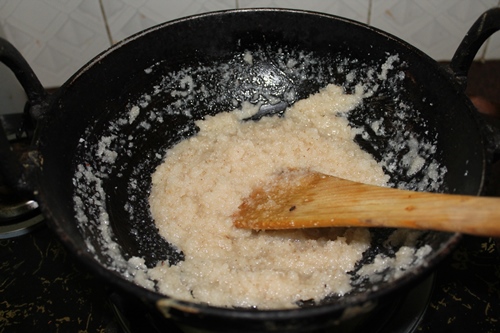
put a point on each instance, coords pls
(132, 145)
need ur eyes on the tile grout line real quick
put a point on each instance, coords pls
(369, 14)
(106, 25)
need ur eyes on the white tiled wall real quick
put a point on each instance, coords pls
(57, 37)
(436, 27)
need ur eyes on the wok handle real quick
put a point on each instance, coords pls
(14, 168)
(487, 24)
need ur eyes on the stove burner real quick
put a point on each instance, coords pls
(18, 215)
(402, 315)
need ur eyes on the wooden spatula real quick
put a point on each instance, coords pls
(312, 200)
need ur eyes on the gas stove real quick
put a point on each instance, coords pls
(43, 288)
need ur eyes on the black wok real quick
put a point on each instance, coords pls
(88, 148)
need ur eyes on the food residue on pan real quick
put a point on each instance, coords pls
(192, 204)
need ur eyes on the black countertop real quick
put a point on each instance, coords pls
(43, 289)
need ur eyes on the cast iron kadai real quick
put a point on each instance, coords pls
(212, 49)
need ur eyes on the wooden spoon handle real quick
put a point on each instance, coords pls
(319, 200)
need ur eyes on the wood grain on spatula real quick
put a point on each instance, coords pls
(301, 199)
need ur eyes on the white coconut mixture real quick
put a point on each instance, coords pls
(204, 179)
